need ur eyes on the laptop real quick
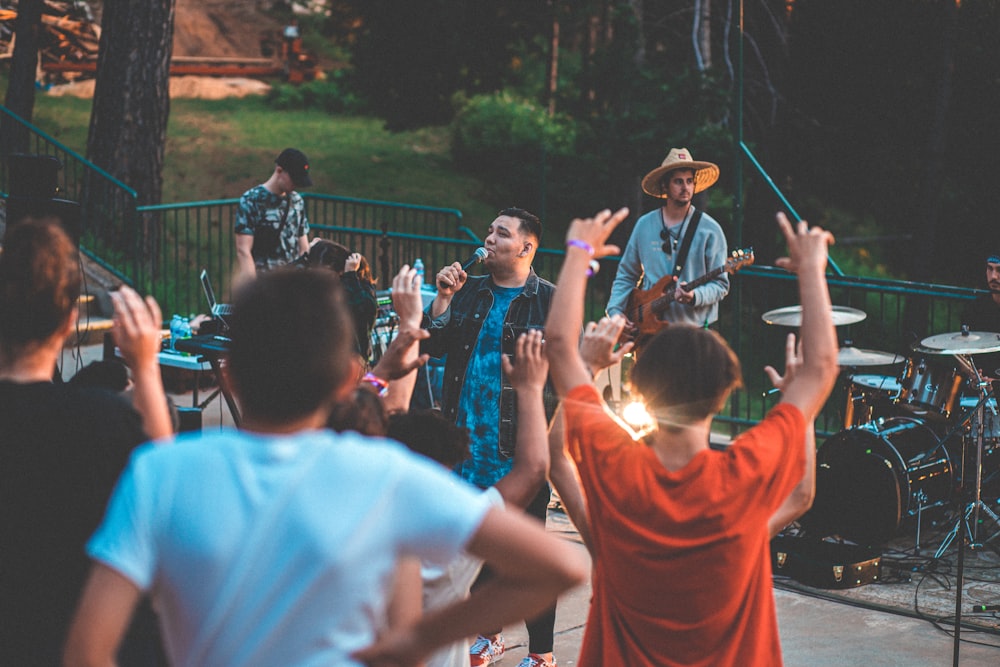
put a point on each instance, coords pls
(220, 310)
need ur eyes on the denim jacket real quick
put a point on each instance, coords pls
(456, 331)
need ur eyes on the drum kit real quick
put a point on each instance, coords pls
(925, 437)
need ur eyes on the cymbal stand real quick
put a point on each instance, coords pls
(974, 507)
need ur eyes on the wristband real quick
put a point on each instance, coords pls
(380, 385)
(593, 267)
(582, 245)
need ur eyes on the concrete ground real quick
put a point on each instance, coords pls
(814, 632)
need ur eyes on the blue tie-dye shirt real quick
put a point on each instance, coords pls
(479, 405)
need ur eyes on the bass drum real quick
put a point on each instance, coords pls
(870, 478)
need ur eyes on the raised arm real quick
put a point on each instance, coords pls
(801, 497)
(527, 373)
(398, 365)
(584, 241)
(597, 349)
(807, 258)
(136, 331)
(531, 567)
(566, 480)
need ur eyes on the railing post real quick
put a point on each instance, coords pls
(383, 244)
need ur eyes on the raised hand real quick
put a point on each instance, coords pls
(406, 298)
(793, 362)
(596, 230)
(530, 367)
(598, 345)
(136, 326)
(807, 247)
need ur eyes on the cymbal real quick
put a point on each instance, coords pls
(971, 342)
(855, 356)
(791, 316)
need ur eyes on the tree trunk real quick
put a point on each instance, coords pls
(701, 34)
(128, 122)
(20, 97)
(553, 74)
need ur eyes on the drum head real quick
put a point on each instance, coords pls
(857, 491)
(870, 477)
(884, 383)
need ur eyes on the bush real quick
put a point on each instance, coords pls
(333, 95)
(512, 145)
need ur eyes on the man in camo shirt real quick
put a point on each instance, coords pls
(271, 224)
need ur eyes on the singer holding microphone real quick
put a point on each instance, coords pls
(475, 319)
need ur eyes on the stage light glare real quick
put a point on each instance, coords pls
(636, 416)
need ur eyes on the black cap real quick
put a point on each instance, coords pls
(296, 164)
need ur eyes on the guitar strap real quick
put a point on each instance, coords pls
(682, 254)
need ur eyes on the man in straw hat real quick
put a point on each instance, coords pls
(659, 239)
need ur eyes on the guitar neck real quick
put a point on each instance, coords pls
(698, 282)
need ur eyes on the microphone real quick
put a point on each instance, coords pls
(477, 257)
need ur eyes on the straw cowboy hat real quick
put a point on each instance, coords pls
(705, 173)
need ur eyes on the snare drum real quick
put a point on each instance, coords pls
(870, 397)
(929, 388)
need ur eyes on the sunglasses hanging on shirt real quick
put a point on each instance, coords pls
(669, 240)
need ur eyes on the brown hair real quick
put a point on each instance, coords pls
(292, 343)
(430, 433)
(332, 255)
(685, 373)
(363, 412)
(39, 282)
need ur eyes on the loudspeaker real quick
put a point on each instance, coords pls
(33, 176)
(34, 193)
(66, 211)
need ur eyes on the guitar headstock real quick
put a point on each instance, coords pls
(738, 259)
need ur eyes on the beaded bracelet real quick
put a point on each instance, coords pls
(594, 266)
(582, 245)
(381, 385)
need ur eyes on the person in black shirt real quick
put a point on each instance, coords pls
(62, 445)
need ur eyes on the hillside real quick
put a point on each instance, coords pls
(226, 28)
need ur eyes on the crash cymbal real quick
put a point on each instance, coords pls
(791, 316)
(855, 356)
(962, 342)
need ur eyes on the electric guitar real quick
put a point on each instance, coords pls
(645, 307)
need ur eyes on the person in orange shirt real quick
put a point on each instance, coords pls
(679, 532)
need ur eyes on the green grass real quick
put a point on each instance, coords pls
(216, 149)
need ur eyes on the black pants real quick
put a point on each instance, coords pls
(541, 629)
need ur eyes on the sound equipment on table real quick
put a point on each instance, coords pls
(387, 321)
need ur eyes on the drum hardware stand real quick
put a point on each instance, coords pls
(921, 498)
(976, 505)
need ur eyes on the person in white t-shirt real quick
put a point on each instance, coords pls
(278, 544)
(430, 433)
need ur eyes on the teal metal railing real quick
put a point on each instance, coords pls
(190, 236)
(198, 235)
(110, 228)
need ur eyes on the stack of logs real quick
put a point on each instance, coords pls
(69, 33)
